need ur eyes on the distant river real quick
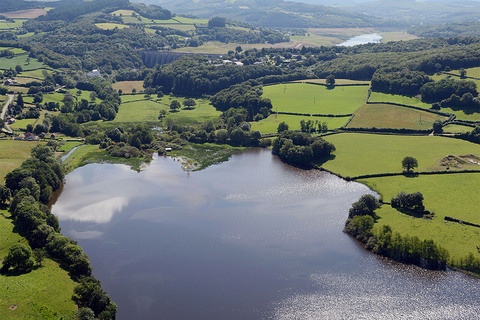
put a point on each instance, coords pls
(362, 39)
(251, 238)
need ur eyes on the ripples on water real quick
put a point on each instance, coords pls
(251, 238)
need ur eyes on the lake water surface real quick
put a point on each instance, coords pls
(362, 39)
(251, 238)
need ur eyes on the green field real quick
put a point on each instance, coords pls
(270, 124)
(148, 110)
(360, 154)
(128, 86)
(314, 99)
(12, 154)
(122, 12)
(110, 26)
(337, 81)
(391, 116)
(37, 74)
(446, 195)
(77, 157)
(397, 36)
(455, 128)
(471, 72)
(7, 63)
(4, 25)
(181, 27)
(13, 50)
(43, 293)
(394, 98)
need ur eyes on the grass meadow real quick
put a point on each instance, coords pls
(12, 154)
(337, 81)
(7, 63)
(360, 154)
(391, 116)
(111, 26)
(315, 99)
(270, 124)
(44, 293)
(128, 86)
(455, 128)
(395, 98)
(451, 195)
(149, 110)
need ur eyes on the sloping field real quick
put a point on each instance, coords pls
(337, 81)
(24, 14)
(394, 117)
(360, 154)
(12, 154)
(451, 195)
(270, 124)
(395, 98)
(128, 86)
(314, 99)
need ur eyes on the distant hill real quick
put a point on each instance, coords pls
(273, 13)
(419, 12)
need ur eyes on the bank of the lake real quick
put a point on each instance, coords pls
(362, 39)
(251, 238)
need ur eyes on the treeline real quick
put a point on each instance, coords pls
(247, 95)
(151, 11)
(385, 242)
(443, 89)
(192, 76)
(82, 45)
(69, 10)
(361, 62)
(28, 189)
(403, 82)
(466, 29)
(227, 35)
(301, 149)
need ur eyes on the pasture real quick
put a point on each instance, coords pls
(314, 99)
(43, 293)
(394, 117)
(149, 110)
(451, 195)
(128, 86)
(456, 128)
(270, 124)
(337, 81)
(395, 98)
(12, 154)
(24, 61)
(110, 26)
(361, 154)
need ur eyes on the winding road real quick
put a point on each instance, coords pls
(4, 110)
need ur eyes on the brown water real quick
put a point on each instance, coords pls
(251, 238)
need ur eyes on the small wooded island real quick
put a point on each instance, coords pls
(110, 81)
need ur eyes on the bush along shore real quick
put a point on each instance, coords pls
(27, 190)
(403, 248)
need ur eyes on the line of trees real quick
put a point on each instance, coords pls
(385, 242)
(27, 189)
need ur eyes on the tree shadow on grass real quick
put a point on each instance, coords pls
(323, 160)
(410, 213)
(410, 174)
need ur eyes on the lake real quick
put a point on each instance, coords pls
(362, 39)
(251, 238)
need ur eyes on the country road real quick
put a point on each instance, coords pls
(4, 110)
(10, 98)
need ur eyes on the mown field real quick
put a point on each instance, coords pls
(360, 154)
(394, 98)
(337, 81)
(148, 110)
(397, 36)
(455, 128)
(391, 116)
(315, 99)
(270, 124)
(451, 195)
(128, 86)
(329, 36)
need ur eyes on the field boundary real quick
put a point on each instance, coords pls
(315, 114)
(412, 174)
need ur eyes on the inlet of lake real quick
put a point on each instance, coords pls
(251, 238)
(362, 39)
